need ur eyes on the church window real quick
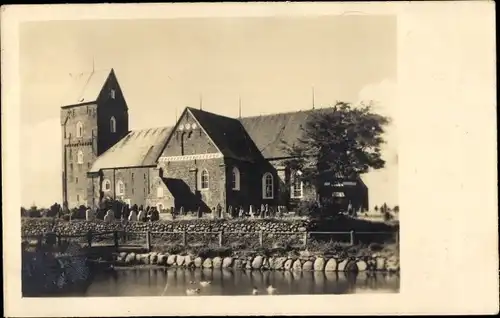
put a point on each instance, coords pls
(204, 179)
(106, 185)
(297, 190)
(112, 93)
(120, 188)
(159, 192)
(267, 186)
(112, 124)
(70, 166)
(78, 197)
(79, 129)
(70, 154)
(235, 178)
(76, 180)
(80, 157)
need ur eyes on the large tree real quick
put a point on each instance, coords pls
(338, 143)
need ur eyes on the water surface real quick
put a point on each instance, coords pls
(175, 282)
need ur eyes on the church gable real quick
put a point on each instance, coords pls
(189, 138)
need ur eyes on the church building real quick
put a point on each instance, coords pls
(204, 160)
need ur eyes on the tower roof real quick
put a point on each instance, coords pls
(85, 87)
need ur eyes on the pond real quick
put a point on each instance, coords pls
(176, 282)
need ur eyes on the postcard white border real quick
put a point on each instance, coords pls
(448, 178)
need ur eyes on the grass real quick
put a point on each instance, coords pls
(330, 248)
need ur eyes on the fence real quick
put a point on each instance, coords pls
(149, 239)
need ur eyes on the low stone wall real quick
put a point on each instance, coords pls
(36, 226)
(313, 263)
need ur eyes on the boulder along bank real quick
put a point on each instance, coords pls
(313, 263)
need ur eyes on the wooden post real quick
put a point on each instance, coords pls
(39, 242)
(352, 237)
(220, 238)
(115, 236)
(305, 239)
(124, 237)
(261, 238)
(184, 239)
(148, 240)
(89, 238)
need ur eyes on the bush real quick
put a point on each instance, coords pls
(238, 246)
(212, 252)
(308, 208)
(53, 211)
(33, 212)
(78, 213)
(387, 216)
(375, 247)
(174, 249)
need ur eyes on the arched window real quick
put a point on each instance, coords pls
(120, 188)
(267, 186)
(106, 185)
(159, 192)
(297, 189)
(204, 179)
(80, 157)
(79, 129)
(112, 124)
(235, 179)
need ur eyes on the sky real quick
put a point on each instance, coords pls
(162, 66)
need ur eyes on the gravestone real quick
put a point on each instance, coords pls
(89, 215)
(108, 217)
(141, 216)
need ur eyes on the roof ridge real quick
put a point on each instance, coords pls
(149, 128)
(284, 113)
(215, 114)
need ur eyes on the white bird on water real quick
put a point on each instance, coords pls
(192, 291)
(255, 291)
(205, 283)
(271, 290)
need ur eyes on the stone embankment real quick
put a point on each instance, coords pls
(311, 263)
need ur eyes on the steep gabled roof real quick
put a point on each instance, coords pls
(269, 132)
(138, 148)
(228, 135)
(85, 87)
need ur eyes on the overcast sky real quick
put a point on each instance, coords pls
(165, 65)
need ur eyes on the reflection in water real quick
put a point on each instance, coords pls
(175, 282)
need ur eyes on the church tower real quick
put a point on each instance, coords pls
(94, 117)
